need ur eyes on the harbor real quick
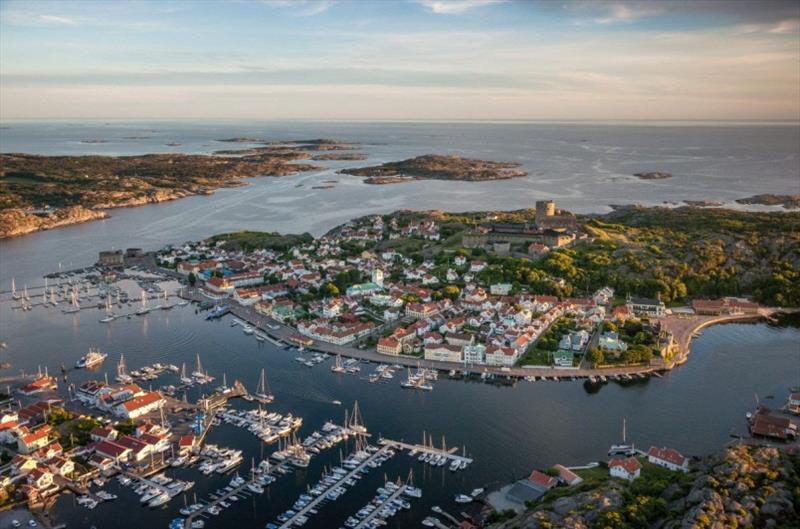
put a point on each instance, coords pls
(330, 387)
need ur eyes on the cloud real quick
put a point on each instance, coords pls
(57, 21)
(455, 7)
(629, 12)
(790, 25)
(307, 8)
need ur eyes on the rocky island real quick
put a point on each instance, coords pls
(43, 192)
(787, 201)
(653, 175)
(437, 167)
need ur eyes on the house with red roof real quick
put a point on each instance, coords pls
(542, 481)
(567, 476)
(30, 441)
(138, 406)
(668, 458)
(628, 468)
(112, 450)
(389, 346)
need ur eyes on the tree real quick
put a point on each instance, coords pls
(192, 278)
(451, 291)
(329, 290)
(596, 356)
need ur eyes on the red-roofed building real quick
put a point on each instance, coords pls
(31, 441)
(567, 476)
(112, 450)
(542, 481)
(628, 468)
(138, 406)
(186, 444)
(668, 458)
(389, 346)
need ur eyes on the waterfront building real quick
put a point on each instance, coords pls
(389, 346)
(627, 468)
(474, 354)
(645, 306)
(443, 353)
(567, 476)
(501, 356)
(563, 358)
(668, 458)
(138, 406)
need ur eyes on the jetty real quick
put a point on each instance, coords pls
(393, 496)
(449, 454)
(382, 452)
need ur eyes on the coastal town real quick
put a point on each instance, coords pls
(400, 292)
(354, 291)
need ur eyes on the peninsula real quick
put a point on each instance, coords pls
(44, 192)
(437, 167)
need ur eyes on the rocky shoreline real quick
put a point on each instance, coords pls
(741, 486)
(768, 199)
(45, 192)
(17, 222)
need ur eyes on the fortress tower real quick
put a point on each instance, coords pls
(544, 208)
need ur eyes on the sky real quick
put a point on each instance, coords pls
(400, 60)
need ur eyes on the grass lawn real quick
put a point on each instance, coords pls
(535, 357)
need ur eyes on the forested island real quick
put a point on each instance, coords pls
(437, 167)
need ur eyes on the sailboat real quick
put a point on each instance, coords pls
(166, 305)
(14, 294)
(145, 309)
(109, 315)
(74, 306)
(262, 393)
(337, 365)
(199, 375)
(623, 449)
(184, 379)
(357, 422)
(122, 375)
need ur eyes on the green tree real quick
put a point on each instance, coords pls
(192, 278)
(596, 356)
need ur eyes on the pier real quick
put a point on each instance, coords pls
(323, 497)
(241, 489)
(450, 454)
(378, 508)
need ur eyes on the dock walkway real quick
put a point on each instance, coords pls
(378, 508)
(449, 454)
(322, 497)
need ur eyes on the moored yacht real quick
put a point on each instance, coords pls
(91, 359)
